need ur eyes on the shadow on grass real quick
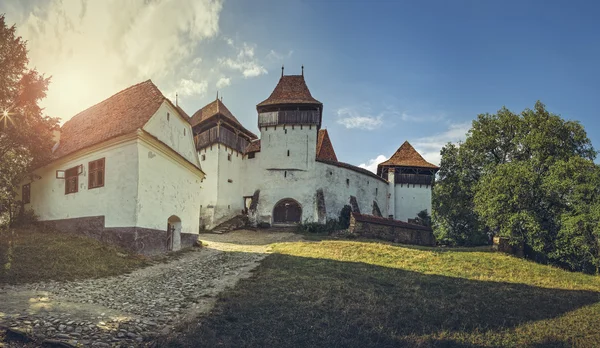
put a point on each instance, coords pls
(307, 302)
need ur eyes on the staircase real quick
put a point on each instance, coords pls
(234, 223)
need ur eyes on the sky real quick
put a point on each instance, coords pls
(386, 71)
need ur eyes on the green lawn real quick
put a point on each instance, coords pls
(367, 294)
(31, 255)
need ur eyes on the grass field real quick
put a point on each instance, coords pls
(31, 255)
(367, 294)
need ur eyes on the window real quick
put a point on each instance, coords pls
(184, 132)
(96, 173)
(229, 157)
(376, 190)
(168, 116)
(229, 180)
(71, 180)
(285, 173)
(288, 153)
(25, 193)
(347, 182)
(251, 155)
(203, 157)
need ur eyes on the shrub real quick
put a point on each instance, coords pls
(26, 217)
(263, 224)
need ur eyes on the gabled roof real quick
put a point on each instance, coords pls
(254, 146)
(291, 89)
(123, 113)
(218, 108)
(407, 156)
(324, 147)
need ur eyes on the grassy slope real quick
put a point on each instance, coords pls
(30, 255)
(362, 294)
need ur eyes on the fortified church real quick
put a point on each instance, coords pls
(138, 171)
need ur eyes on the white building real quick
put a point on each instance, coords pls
(137, 171)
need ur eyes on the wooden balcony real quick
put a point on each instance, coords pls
(223, 136)
(274, 118)
(416, 179)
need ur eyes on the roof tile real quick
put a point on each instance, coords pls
(324, 147)
(407, 156)
(217, 108)
(118, 115)
(291, 89)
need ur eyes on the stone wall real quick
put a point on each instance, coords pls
(136, 239)
(368, 226)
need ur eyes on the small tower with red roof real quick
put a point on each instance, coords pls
(289, 121)
(221, 141)
(411, 180)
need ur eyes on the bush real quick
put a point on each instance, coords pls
(316, 227)
(344, 219)
(263, 225)
(26, 217)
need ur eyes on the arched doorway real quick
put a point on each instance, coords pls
(173, 233)
(287, 211)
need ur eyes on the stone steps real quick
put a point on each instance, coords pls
(234, 223)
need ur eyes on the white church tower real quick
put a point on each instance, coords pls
(289, 121)
(411, 180)
(221, 141)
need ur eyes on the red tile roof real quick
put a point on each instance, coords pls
(291, 89)
(407, 156)
(254, 146)
(218, 108)
(324, 147)
(123, 113)
(388, 222)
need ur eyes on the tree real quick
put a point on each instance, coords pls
(529, 177)
(454, 219)
(25, 133)
(423, 218)
(575, 186)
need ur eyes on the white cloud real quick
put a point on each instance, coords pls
(354, 118)
(93, 49)
(223, 82)
(372, 163)
(276, 56)
(429, 147)
(244, 62)
(409, 117)
(189, 88)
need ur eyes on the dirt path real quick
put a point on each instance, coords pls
(131, 309)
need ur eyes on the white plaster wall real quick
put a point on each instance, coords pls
(230, 198)
(166, 188)
(221, 199)
(278, 176)
(208, 199)
(411, 200)
(301, 141)
(116, 200)
(171, 131)
(366, 189)
(276, 185)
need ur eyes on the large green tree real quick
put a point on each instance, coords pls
(25, 132)
(524, 176)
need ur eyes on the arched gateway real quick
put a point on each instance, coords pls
(287, 211)
(173, 233)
